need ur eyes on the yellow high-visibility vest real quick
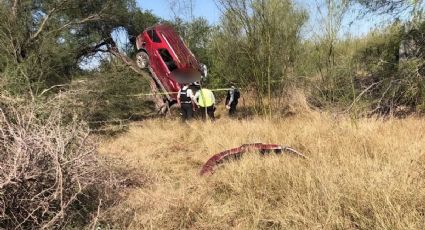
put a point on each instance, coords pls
(205, 99)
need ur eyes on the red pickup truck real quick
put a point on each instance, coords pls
(163, 52)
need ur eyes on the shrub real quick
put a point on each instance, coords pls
(48, 164)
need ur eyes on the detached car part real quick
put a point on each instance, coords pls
(236, 153)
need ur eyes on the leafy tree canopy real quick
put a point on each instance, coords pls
(42, 42)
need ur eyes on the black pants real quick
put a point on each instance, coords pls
(232, 110)
(210, 112)
(187, 111)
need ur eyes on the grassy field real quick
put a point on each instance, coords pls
(365, 174)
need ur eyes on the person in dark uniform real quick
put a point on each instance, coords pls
(232, 100)
(185, 101)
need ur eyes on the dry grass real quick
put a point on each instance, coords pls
(368, 174)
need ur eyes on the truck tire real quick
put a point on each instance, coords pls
(142, 59)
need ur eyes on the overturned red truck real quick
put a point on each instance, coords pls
(161, 50)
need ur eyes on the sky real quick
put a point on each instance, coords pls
(163, 8)
(168, 9)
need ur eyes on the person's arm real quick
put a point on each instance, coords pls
(192, 98)
(212, 98)
(232, 97)
(195, 98)
(178, 98)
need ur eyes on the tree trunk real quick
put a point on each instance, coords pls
(157, 98)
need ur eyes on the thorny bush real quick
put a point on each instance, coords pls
(50, 173)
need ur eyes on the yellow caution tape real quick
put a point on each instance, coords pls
(166, 93)
(151, 94)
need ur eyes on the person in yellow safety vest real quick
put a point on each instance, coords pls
(205, 99)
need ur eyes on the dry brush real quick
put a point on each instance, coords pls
(50, 173)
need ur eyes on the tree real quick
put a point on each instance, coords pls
(257, 44)
(406, 88)
(393, 7)
(42, 42)
(197, 36)
(331, 16)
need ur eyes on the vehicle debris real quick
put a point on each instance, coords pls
(236, 153)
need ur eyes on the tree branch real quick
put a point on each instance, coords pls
(361, 94)
(47, 90)
(55, 9)
(130, 63)
(93, 17)
(15, 8)
(92, 49)
(43, 24)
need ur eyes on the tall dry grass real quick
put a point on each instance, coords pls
(365, 174)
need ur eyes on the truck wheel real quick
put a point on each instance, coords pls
(142, 59)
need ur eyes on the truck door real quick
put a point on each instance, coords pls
(156, 61)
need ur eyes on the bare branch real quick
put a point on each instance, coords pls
(361, 94)
(15, 8)
(93, 49)
(43, 24)
(93, 17)
(47, 90)
(130, 63)
(57, 8)
(96, 218)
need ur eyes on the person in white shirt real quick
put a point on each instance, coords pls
(232, 100)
